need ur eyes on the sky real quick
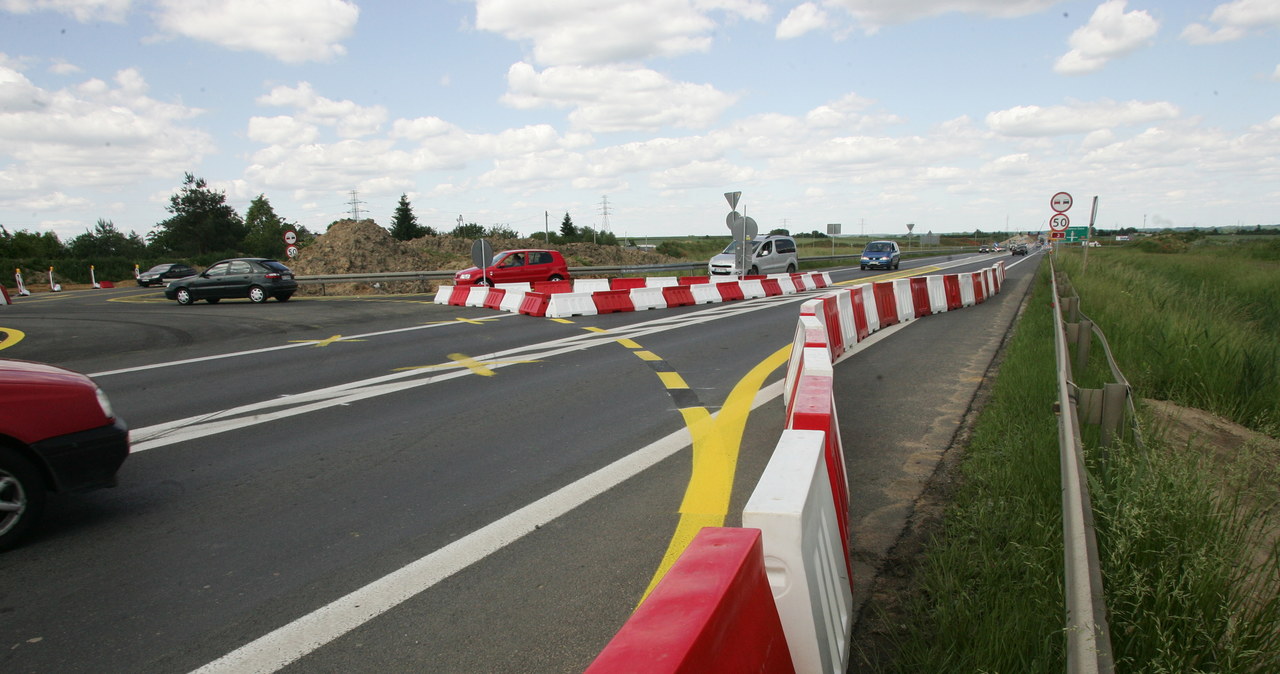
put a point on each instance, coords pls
(637, 116)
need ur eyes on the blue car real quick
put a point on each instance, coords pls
(882, 254)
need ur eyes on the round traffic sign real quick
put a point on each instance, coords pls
(1061, 202)
(1058, 222)
(290, 237)
(291, 251)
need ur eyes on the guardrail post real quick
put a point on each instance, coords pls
(1084, 339)
(1114, 398)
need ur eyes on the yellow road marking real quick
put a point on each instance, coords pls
(672, 380)
(716, 441)
(10, 336)
(647, 355)
(889, 277)
(459, 319)
(477, 367)
(324, 342)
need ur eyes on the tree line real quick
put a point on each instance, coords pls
(202, 228)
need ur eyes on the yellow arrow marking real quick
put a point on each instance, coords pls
(10, 336)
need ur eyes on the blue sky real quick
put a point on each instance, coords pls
(954, 115)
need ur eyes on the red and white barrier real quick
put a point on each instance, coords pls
(22, 290)
(4, 296)
(588, 297)
(808, 572)
(712, 612)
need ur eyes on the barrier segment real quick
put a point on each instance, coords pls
(810, 333)
(792, 506)
(886, 303)
(712, 612)
(906, 302)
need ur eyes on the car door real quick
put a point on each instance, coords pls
(765, 260)
(509, 269)
(238, 279)
(208, 284)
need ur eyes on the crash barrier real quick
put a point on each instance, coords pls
(801, 503)
(589, 297)
(712, 612)
(4, 296)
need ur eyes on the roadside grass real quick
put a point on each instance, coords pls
(1190, 559)
(1200, 328)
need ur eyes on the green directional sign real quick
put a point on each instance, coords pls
(1076, 234)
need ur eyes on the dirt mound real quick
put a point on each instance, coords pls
(363, 247)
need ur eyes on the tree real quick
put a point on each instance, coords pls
(567, 230)
(404, 224)
(264, 229)
(202, 221)
(106, 241)
(468, 231)
(24, 244)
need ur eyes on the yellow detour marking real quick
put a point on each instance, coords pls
(716, 441)
(918, 271)
(10, 336)
(472, 364)
(459, 319)
(324, 342)
(468, 362)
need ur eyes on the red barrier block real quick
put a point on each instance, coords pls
(535, 304)
(819, 281)
(996, 274)
(860, 324)
(627, 283)
(729, 291)
(712, 612)
(920, 296)
(692, 280)
(770, 285)
(978, 296)
(106, 284)
(609, 301)
(830, 317)
(886, 303)
(458, 296)
(494, 299)
(677, 296)
(951, 286)
(552, 287)
(801, 282)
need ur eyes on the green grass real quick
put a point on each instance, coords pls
(1190, 562)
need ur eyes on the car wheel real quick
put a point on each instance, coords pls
(213, 300)
(283, 297)
(183, 296)
(864, 267)
(753, 271)
(897, 265)
(556, 277)
(257, 294)
(791, 269)
(22, 496)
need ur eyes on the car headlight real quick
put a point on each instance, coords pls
(104, 403)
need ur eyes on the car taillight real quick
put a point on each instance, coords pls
(273, 276)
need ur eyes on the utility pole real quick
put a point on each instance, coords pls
(604, 213)
(355, 206)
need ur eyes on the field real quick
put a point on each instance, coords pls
(1186, 521)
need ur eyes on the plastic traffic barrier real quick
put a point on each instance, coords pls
(476, 296)
(729, 291)
(920, 296)
(552, 287)
(937, 294)
(979, 287)
(886, 303)
(591, 285)
(793, 508)
(712, 612)
(647, 298)
(966, 290)
(678, 296)
(626, 282)
(810, 334)
(535, 304)
(705, 293)
(692, 280)
(906, 303)
(512, 300)
(751, 289)
(951, 284)
(771, 287)
(610, 301)
(571, 304)
(493, 300)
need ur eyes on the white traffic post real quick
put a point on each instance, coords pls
(22, 290)
(93, 280)
(53, 287)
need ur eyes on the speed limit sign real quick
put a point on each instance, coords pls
(1058, 222)
(291, 251)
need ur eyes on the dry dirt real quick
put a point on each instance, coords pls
(361, 246)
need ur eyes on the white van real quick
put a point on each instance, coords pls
(772, 254)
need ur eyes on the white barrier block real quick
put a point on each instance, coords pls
(804, 557)
(512, 300)
(443, 293)
(705, 293)
(906, 303)
(795, 364)
(869, 304)
(752, 289)
(476, 296)
(803, 283)
(571, 304)
(661, 281)
(648, 298)
(937, 294)
(785, 282)
(848, 329)
(590, 285)
(522, 286)
(989, 276)
(966, 290)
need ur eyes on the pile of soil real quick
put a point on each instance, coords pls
(363, 247)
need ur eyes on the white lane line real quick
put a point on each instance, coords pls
(291, 642)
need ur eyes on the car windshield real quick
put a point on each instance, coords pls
(733, 247)
(879, 247)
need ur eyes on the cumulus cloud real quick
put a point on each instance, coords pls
(350, 119)
(801, 20)
(1110, 34)
(615, 98)
(293, 31)
(592, 33)
(83, 11)
(875, 14)
(1234, 20)
(1077, 117)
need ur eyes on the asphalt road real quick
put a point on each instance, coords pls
(386, 484)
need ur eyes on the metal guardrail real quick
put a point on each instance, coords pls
(625, 270)
(1088, 634)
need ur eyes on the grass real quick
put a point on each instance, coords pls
(1187, 538)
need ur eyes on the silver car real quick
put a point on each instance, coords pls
(772, 254)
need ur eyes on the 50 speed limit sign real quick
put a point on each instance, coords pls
(1058, 222)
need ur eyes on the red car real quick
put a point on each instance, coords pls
(516, 266)
(57, 433)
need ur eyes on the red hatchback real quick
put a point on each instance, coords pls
(57, 433)
(517, 266)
